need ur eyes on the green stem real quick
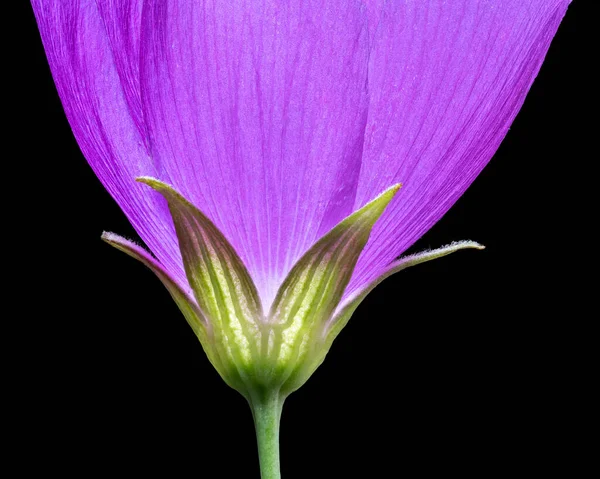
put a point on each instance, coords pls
(266, 411)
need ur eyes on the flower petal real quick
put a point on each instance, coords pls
(256, 114)
(122, 21)
(374, 9)
(446, 80)
(100, 113)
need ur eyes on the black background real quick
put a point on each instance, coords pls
(451, 366)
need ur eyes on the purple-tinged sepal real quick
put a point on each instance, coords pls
(348, 306)
(184, 299)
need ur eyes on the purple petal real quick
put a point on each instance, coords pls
(122, 21)
(256, 113)
(374, 10)
(102, 114)
(446, 79)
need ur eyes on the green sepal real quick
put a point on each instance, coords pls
(310, 294)
(222, 286)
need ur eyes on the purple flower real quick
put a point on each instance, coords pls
(268, 138)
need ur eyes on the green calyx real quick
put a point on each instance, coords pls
(256, 352)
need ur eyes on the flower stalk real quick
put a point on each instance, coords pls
(266, 411)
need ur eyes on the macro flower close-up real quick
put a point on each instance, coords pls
(278, 158)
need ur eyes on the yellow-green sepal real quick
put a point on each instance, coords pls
(310, 294)
(222, 287)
